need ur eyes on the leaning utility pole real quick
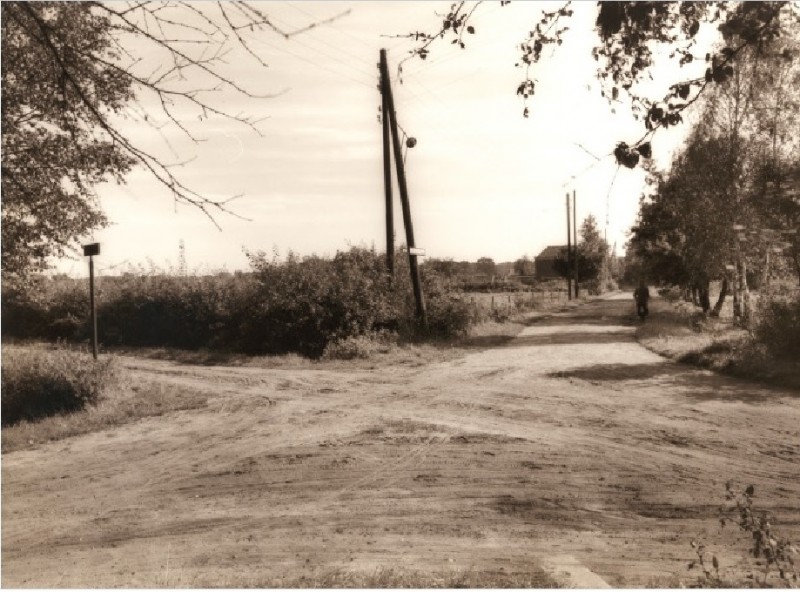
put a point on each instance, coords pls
(387, 166)
(575, 234)
(388, 100)
(569, 253)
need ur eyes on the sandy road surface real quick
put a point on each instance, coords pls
(571, 448)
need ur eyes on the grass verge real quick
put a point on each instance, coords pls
(42, 382)
(360, 353)
(677, 331)
(122, 402)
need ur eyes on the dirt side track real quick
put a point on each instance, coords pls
(571, 449)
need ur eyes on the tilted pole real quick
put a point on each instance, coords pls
(401, 183)
(387, 165)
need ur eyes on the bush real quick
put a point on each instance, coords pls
(293, 306)
(598, 286)
(671, 293)
(449, 315)
(38, 383)
(779, 328)
(360, 347)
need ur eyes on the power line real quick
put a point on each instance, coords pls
(330, 25)
(326, 54)
(428, 90)
(358, 58)
(312, 62)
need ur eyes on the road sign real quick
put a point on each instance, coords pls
(91, 249)
(416, 251)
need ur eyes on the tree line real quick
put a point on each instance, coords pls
(728, 207)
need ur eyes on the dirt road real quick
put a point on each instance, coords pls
(570, 449)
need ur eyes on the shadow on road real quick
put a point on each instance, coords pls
(600, 313)
(701, 385)
(572, 338)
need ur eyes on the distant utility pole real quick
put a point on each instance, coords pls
(569, 253)
(388, 101)
(575, 233)
(387, 165)
(182, 269)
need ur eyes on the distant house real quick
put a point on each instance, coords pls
(544, 262)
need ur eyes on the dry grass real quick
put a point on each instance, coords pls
(206, 357)
(398, 353)
(123, 404)
(515, 300)
(678, 331)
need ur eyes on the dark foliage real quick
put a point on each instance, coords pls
(299, 306)
(38, 383)
(779, 328)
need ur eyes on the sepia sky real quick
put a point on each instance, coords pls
(483, 180)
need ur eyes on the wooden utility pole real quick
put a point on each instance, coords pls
(575, 234)
(388, 100)
(387, 166)
(569, 253)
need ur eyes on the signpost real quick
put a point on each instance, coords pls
(90, 251)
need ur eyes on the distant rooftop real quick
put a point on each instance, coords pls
(552, 252)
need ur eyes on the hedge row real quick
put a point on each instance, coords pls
(298, 305)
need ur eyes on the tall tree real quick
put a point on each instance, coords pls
(592, 250)
(52, 153)
(630, 34)
(71, 71)
(524, 266)
(486, 266)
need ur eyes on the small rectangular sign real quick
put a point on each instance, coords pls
(416, 251)
(91, 249)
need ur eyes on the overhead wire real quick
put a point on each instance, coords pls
(360, 60)
(326, 54)
(438, 86)
(328, 25)
(312, 62)
(407, 91)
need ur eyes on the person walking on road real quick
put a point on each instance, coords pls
(641, 295)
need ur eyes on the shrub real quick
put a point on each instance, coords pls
(305, 304)
(671, 293)
(37, 383)
(779, 328)
(448, 314)
(598, 286)
(359, 347)
(46, 308)
(293, 306)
